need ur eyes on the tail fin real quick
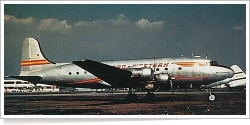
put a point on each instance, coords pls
(239, 78)
(32, 57)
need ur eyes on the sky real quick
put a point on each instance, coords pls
(70, 32)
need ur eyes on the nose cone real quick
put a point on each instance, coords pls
(231, 73)
(226, 72)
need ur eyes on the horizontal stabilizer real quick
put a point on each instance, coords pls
(236, 69)
(33, 79)
(110, 74)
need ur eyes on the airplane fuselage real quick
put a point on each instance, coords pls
(184, 72)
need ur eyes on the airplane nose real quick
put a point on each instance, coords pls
(224, 72)
(229, 72)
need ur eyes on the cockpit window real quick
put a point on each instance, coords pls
(214, 63)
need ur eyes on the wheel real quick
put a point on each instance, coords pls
(211, 98)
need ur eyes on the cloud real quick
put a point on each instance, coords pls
(122, 16)
(37, 24)
(119, 24)
(238, 33)
(121, 20)
(13, 19)
(146, 24)
(124, 22)
(54, 25)
(87, 24)
(239, 28)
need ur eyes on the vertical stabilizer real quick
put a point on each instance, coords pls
(32, 57)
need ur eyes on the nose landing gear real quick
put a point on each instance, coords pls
(211, 97)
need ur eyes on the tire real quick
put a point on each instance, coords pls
(211, 98)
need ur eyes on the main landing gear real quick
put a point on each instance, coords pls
(150, 96)
(131, 95)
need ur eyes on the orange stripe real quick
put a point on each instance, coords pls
(34, 62)
(190, 64)
(87, 81)
(186, 64)
(202, 63)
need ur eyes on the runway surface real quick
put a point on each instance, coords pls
(100, 103)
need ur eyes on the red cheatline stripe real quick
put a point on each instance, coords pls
(87, 81)
(34, 62)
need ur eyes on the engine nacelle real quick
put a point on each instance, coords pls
(162, 78)
(142, 73)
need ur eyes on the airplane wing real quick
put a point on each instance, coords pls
(112, 75)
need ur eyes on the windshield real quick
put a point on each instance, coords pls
(214, 63)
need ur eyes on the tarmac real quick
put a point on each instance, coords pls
(115, 103)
